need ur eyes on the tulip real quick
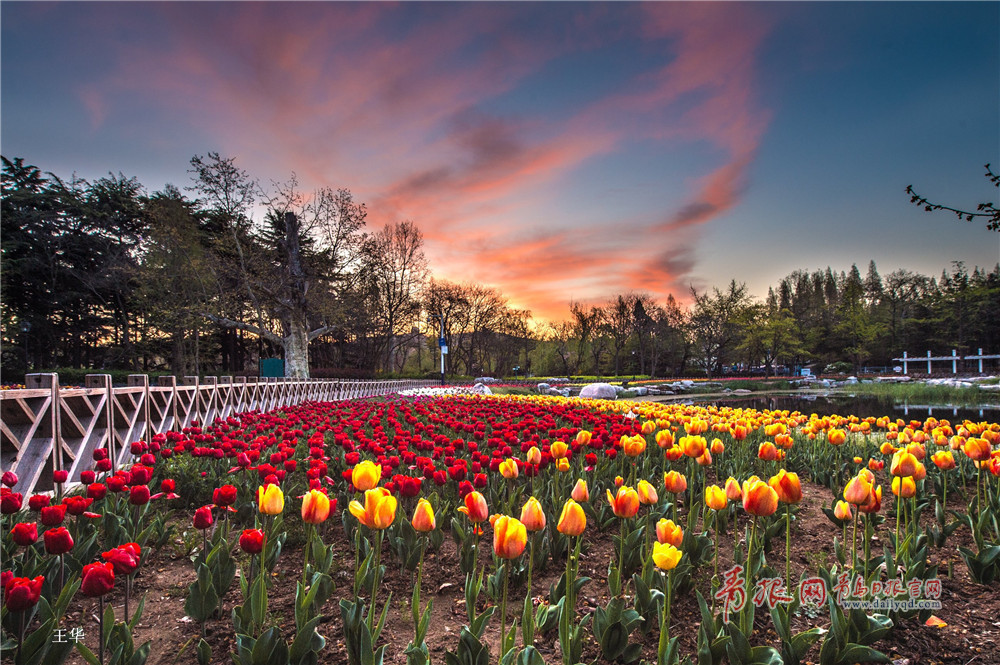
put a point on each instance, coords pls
(77, 505)
(693, 446)
(874, 503)
(674, 482)
(534, 456)
(904, 487)
(583, 437)
(58, 540)
(9, 478)
(138, 495)
(842, 511)
(423, 517)
(767, 452)
(252, 541)
(580, 492)
(572, 520)
(25, 533)
(857, 490)
(38, 501)
(664, 439)
(223, 496)
(508, 469)
(634, 446)
(944, 460)
(203, 518)
(270, 499)
(53, 515)
(98, 579)
(647, 493)
(558, 449)
(124, 558)
(10, 502)
(668, 532)
(315, 507)
(532, 515)
(625, 503)
(718, 447)
(562, 464)
(760, 499)
(379, 509)
(475, 507)
(509, 537)
(977, 449)
(787, 486)
(366, 475)
(836, 436)
(21, 593)
(715, 497)
(666, 556)
(733, 490)
(903, 464)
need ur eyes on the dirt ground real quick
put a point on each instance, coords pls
(972, 611)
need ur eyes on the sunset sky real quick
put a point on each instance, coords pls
(557, 151)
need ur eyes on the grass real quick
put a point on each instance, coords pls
(923, 393)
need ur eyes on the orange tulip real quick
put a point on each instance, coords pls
(943, 459)
(858, 490)
(905, 485)
(760, 499)
(874, 503)
(583, 437)
(842, 511)
(379, 509)
(668, 532)
(509, 537)
(903, 464)
(693, 446)
(315, 507)
(787, 486)
(562, 464)
(836, 436)
(767, 452)
(887, 448)
(532, 515)
(715, 497)
(875, 464)
(580, 492)
(572, 520)
(674, 482)
(718, 447)
(920, 472)
(647, 493)
(475, 507)
(733, 490)
(534, 456)
(558, 449)
(365, 475)
(977, 449)
(508, 469)
(423, 516)
(634, 446)
(625, 503)
(648, 427)
(664, 438)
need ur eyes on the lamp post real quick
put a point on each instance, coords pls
(441, 345)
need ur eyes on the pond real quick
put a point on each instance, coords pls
(846, 404)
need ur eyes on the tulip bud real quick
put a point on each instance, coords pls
(423, 516)
(572, 520)
(532, 515)
(580, 492)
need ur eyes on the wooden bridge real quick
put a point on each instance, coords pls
(44, 427)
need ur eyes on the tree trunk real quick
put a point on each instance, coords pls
(296, 345)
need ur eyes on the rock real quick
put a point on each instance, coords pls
(667, 392)
(542, 387)
(653, 391)
(641, 391)
(599, 391)
(555, 392)
(480, 389)
(742, 391)
(486, 379)
(851, 380)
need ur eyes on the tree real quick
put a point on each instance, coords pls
(618, 321)
(292, 267)
(985, 211)
(715, 323)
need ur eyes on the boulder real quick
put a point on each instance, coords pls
(742, 391)
(542, 388)
(599, 391)
(641, 391)
(480, 389)
(486, 379)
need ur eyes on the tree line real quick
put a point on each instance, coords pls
(211, 278)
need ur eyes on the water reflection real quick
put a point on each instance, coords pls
(862, 406)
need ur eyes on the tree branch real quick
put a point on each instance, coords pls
(319, 332)
(229, 323)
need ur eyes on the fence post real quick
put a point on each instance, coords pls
(905, 362)
(954, 362)
(51, 382)
(103, 382)
(195, 410)
(171, 382)
(142, 381)
(928, 363)
(980, 360)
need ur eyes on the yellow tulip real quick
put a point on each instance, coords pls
(509, 537)
(666, 556)
(508, 469)
(715, 497)
(270, 500)
(365, 475)
(647, 493)
(379, 510)
(423, 517)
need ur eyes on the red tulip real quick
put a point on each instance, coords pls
(58, 540)
(224, 496)
(203, 518)
(98, 579)
(10, 502)
(124, 558)
(21, 594)
(25, 533)
(60, 476)
(139, 495)
(9, 478)
(252, 541)
(53, 515)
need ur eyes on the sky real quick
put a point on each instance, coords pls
(556, 151)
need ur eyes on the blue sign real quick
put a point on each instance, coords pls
(441, 341)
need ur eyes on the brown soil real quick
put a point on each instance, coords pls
(971, 611)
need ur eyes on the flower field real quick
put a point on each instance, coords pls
(470, 530)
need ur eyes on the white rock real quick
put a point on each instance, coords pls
(599, 391)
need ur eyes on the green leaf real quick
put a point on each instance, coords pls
(204, 652)
(856, 653)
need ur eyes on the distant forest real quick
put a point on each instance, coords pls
(105, 275)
